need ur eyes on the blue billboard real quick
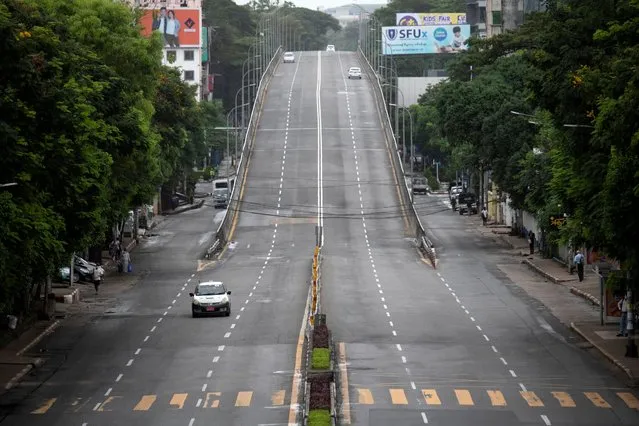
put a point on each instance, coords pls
(419, 40)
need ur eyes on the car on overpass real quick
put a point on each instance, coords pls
(355, 72)
(330, 48)
(210, 298)
(289, 57)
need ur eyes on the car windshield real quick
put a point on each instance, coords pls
(288, 54)
(210, 290)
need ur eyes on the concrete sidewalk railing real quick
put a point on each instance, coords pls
(235, 201)
(415, 227)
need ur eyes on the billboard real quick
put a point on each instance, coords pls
(179, 27)
(404, 40)
(417, 19)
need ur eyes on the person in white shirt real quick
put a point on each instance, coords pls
(623, 323)
(98, 272)
(579, 261)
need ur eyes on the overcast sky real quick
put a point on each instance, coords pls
(313, 4)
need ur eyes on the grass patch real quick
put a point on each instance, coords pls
(321, 359)
(319, 418)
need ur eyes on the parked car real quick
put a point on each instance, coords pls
(84, 269)
(420, 185)
(467, 203)
(210, 298)
(289, 57)
(354, 72)
(63, 275)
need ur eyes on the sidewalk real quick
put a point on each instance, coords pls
(583, 318)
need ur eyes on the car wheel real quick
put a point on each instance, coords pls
(194, 314)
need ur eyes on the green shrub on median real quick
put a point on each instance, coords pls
(319, 418)
(321, 359)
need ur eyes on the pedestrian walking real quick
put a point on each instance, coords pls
(126, 260)
(623, 322)
(484, 215)
(531, 242)
(98, 272)
(579, 261)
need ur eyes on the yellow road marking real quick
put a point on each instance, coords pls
(630, 400)
(564, 399)
(106, 402)
(463, 397)
(398, 396)
(496, 398)
(431, 397)
(531, 398)
(145, 403)
(365, 396)
(209, 402)
(45, 406)
(243, 399)
(278, 397)
(346, 404)
(178, 400)
(597, 399)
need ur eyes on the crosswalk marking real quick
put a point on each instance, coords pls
(45, 406)
(496, 398)
(630, 400)
(278, 397)
(463, 397)
(597, 399)
(145, 403)
(364, 396)
(212, 399)
(243, 399)
(398, 396)
(178, 400)
(564, 399)
(531, 398)
(431, 397)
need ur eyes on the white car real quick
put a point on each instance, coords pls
(330, 48)
(289, 57)
(210, 298)
(354, 72)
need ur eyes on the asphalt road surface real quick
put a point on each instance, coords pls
(147, 362)
(456, 346)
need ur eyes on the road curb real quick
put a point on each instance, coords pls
(585, 295)
(50, 329)
(185, 209)
(26, 370)
(543, 273)
(607, 354)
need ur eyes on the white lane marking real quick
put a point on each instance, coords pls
(191, 421)
(128, 364)
(494, 349)
(320, 155)
(227, 335)
(119, 377)
(108, 392)
(179, 294)
(137, 351)
(242, 309)
(209, 374)
(165, 312)
(173, 302)
(486, 337)
(503, 360)
(478, 327)
(391, 323)
(521, 385)
(443, 280)
(404, 359)
(394, 333)
(160, 319)
(95, 408)
(512, 373)
(246, 302)
(192, 275)
(216, 358)
(198, 403)
(204, 387)
(232, 326)
(146, 338)
(472, 319)
(546, 419)
(424, 418)
(221, 348)
(237, 317)
(466, 310)
(153, 328)
(412, 385)
(399, 347)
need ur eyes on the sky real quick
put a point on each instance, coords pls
(313, 4)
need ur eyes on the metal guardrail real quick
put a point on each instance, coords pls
(415, 225)
(233, 207)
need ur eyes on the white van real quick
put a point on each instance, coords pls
(222, 189)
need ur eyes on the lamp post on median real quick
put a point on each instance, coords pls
(412, 149)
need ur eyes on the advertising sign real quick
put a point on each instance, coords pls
(417, 19)
(179, 27)
(404, 40)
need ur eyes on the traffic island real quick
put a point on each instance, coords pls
(320, 383)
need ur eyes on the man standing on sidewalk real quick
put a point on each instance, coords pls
(623, 307)
(579, 261)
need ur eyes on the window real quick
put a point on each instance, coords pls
(496, 17)
(189, 75)
(189, 55)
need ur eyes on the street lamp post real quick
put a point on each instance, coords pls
(410, 118)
